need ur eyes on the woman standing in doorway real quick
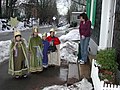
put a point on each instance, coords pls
(85, 33)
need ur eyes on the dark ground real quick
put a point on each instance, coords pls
(35, 81)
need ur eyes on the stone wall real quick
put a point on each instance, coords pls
(96, 30)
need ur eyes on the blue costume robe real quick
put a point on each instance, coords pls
(45, 52)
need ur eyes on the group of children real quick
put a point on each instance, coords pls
(41, 53)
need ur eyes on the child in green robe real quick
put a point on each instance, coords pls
(35, 51)
(18, 63)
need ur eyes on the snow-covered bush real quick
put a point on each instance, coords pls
(4, 50)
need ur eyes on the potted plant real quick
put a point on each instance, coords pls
(107, 61)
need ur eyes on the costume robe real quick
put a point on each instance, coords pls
(18, 62)
(54, 55)
(45, 52)
(35, 49)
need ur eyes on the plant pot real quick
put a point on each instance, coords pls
(107, 76)
(105, 71)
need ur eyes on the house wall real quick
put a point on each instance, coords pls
(107, 21)
(106, 32)
(102, 33)
(78, 4)
(75, 17)
(94, 42)
(96, 29)
(116, 35)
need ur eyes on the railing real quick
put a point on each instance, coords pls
(98, 84)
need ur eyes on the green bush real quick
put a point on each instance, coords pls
(107, 59)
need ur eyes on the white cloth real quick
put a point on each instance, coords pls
(39, 51)
(54, 57)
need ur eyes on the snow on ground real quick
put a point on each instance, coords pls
(72, 35)
(81, 85)
(4, 50)
(68, 51)
(45, 26)
(63, 27)
(68, 47)
(20, 27)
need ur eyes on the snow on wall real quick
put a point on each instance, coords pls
(72, 35)
(4, 50)
(69, 48)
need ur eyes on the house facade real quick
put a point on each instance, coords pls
(105, 18)
(80, 4)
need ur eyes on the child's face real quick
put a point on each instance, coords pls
(18, 38)
(35, 33)
(44, 37)
(52, 34)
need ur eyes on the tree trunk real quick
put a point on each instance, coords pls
(0, 8)
(11, 8)
(7, 14)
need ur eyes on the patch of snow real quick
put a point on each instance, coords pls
(18, 2)
(63, 27)
(20, 27)
(81, 85)
(4, 50)
(72, 35)
(68, 51)
(45, 26)
(69, 48)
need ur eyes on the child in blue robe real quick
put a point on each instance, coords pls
(45, 50)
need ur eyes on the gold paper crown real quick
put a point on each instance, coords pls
(44, 34)
(16, 33)
(35, 29)
(52, 30)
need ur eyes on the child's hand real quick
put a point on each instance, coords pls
(15, 45)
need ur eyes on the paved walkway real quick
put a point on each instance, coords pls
(77, 72)
(85, 70)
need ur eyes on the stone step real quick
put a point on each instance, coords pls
(73, 73)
